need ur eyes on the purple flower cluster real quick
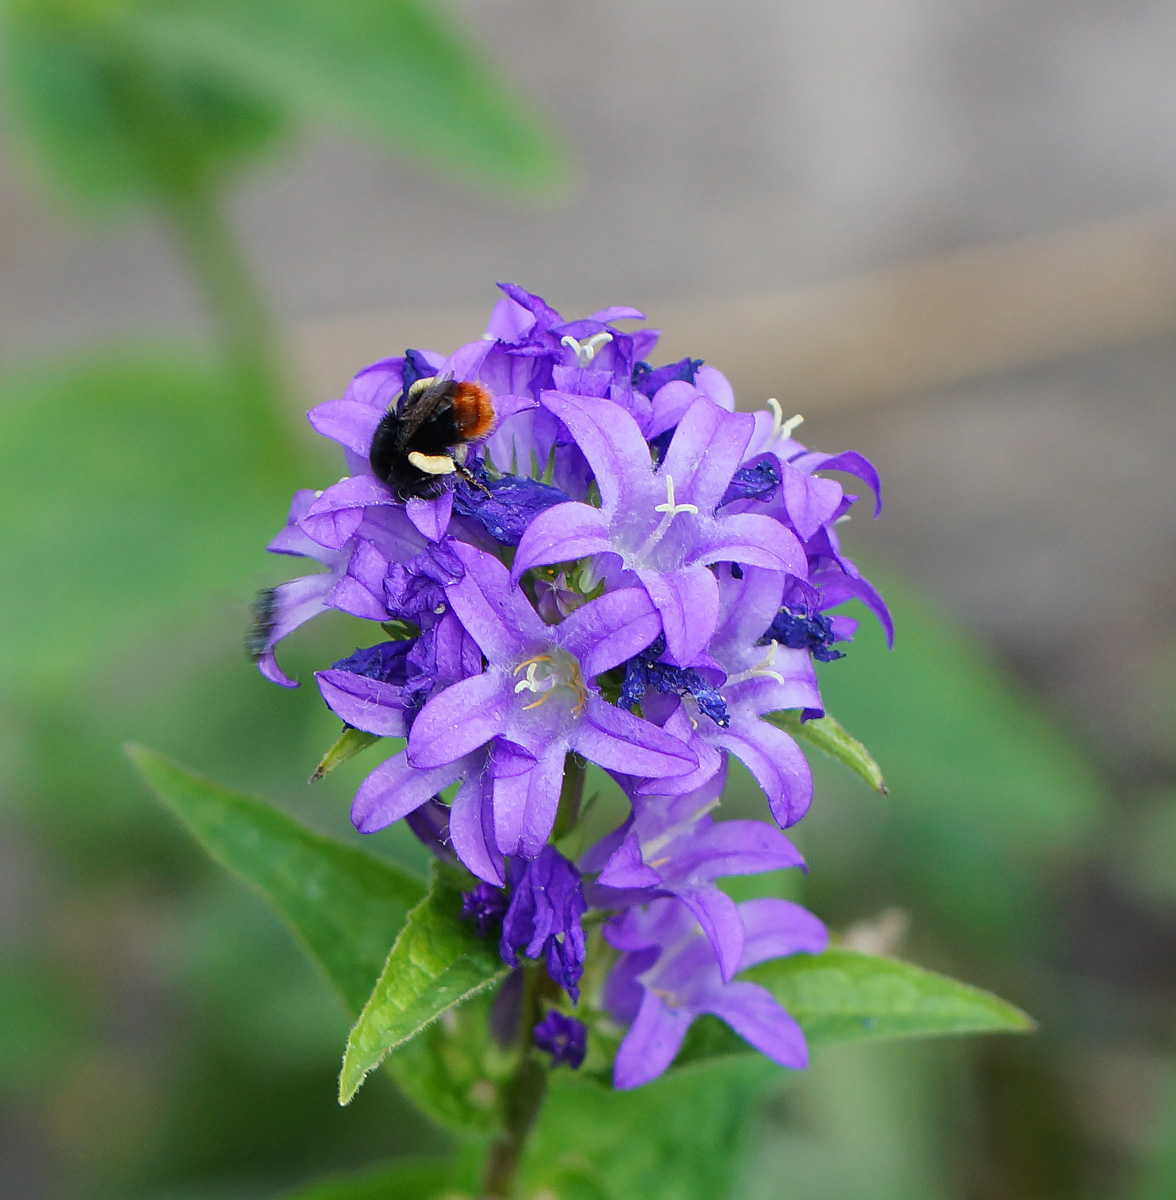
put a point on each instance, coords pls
(624, 571)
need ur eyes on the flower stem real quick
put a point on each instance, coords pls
(244, 328)
(524, 1098)
(571, 796)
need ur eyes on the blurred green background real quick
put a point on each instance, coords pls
(216, 208)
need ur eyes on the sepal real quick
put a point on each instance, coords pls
(827, 734)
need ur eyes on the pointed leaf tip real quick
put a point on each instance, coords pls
(827, 734)
(346, 746)
(437, 963)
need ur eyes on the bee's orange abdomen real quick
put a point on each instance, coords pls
(473, 411)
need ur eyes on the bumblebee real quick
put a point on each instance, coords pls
(421, 442)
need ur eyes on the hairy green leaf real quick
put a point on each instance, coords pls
(438, 961)
(344, 905)
(453, 1070)
(393, 68)
(424, 1180)
(828, 735)
(844, 996)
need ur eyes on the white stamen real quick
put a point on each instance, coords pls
(670, 510)
(530, 683)
(586, 350)
(762, 669)
(432, 464)
(780, 427)
(841, 520)
(670, 507)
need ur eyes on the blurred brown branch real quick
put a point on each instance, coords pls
(935, 321)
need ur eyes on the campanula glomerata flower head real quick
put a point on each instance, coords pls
(571, 556)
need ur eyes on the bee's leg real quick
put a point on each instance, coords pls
(468, 476)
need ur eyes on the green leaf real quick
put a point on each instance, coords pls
(344, 905)
(397, 1181)
(393, 68)
(844, 996)
(438, 962)
(678, 1138)
(113, 121)
(139, 482)
(828, 735)
(453, 1070)
(348, 744)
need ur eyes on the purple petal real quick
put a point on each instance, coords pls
(625, 868)
(360, 591)
(619, 741)
(809, 500)
(495, 613)
(777, 763)
(749, 605)
(706, 448)
(562, 533)
(757, 1016)
(466, 361)
(618, 312)
(651, 1043)
(471, 822)
(837, 589)
(609, 630)
(378, 385)
(293, 540)
(463, 717)
(368, 704)
(710, 761)
(852, 463)
(525, 806)
(777, 928)
(719, 917)
(431, 517)
(294, 604)
(351, 423)
(611, 441)
(734, 848)
(713, 383)
(394, 789)
(509, 322)
(669, 406)
(688, 601)
(338, 512)
(753, 540)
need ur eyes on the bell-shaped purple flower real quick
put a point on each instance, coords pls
(537, 701)
(485, 906)
(668, 975)
(759, 679)
(671, 846)
(564, 1038)
(543, 920)
(661, 525)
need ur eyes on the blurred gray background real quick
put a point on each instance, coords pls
(745, 163)
(950, 228)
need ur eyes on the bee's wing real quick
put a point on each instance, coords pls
(416, 410)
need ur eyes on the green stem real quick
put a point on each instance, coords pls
(241, 319)
(524, 1099)
(571, 796)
